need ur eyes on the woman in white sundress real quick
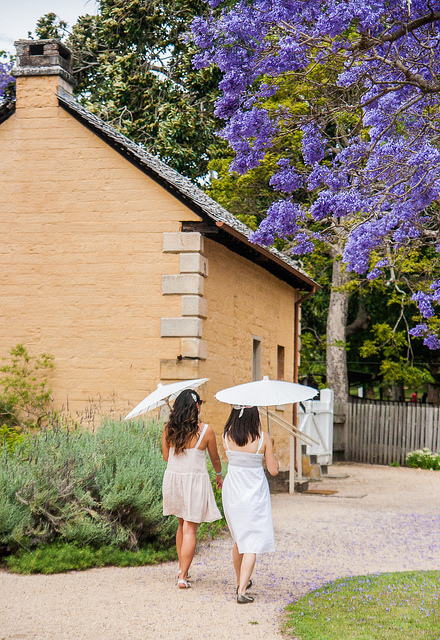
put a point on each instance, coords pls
(186, 489)
(245, 494)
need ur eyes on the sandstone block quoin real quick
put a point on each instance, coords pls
(193, 263)
(181, 327)
(194, 348)
(180, 242)
(194, 306)
(182, 283)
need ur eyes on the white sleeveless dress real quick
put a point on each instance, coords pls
(186, 488)
(246, 501)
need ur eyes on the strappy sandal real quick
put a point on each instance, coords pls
(187, 575)
(241, 599)
(183, 584)
(249, 585)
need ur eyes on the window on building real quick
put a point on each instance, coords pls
(280, 362)
(256, 358)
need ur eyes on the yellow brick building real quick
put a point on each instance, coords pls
(120, 267)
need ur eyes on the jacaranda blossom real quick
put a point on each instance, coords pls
(372, 162)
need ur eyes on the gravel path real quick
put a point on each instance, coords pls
(381, 519)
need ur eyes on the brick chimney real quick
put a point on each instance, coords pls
(43, 68)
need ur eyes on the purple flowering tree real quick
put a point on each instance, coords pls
(365, 89)
(5, 77)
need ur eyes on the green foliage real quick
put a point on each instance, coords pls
(423, 459)
(211, 529)
(10, 436)
(91, 489)
(391, 341)
(399, 358)
(50, 26)
(312, 364)
(24, 395)
(392, 346)
(134, 69)
(59, 558)
(248, 196)
(372, 607)
(402, 371)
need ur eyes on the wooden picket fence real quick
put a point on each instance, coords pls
(382, 433)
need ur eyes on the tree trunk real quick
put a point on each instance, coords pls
(360, 323)
(398, 392)
(433, 393)
(336, 359)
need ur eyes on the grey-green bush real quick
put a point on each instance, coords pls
(97, 489)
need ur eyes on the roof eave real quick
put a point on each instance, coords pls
(307, 282)
(6, 110)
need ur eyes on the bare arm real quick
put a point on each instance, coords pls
(272, 464)
(215, 458)
(165, 447)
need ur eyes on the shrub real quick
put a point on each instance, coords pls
(10, 436)
(92, 489)
(24, 395)
(213, 528)
(423, 459)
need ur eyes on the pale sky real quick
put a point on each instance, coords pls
(17, 17)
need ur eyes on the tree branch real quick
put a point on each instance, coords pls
(367, 42)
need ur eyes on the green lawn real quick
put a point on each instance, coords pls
(389, 606)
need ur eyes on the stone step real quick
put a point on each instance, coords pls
(280, 483)
(311, 472)
(311, 468)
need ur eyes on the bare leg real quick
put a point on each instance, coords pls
(188, 547)
(237, 558)
(247, 566)
(179, 536)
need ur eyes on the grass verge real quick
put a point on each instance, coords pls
(388, 606)
(59, 558)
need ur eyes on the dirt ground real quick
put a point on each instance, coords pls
(381, 519)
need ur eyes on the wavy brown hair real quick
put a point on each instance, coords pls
(183, 423)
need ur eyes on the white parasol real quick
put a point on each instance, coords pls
(266, 393)
(163, 392)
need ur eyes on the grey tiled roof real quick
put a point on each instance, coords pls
(6, 109)
(174, 180)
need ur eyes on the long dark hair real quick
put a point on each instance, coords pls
(243, 429)
(183, 422)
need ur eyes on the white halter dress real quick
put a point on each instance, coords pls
(246, 501)
(186, 488)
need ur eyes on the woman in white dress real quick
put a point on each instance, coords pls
(245, 494)
(186, 489)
